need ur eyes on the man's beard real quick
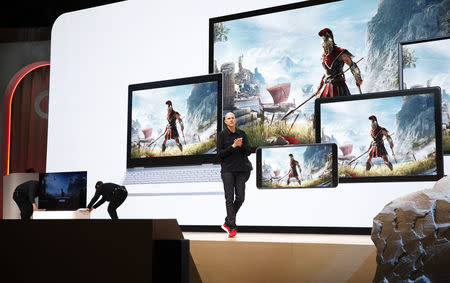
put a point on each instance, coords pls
(328, 45)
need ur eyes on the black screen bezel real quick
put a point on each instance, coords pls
(335, 179)
(174, 160)
(83, 201)
(400, 61)
(254, 13)
(436, 91)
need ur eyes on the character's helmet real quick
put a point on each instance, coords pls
(290, 154)
(326, 32)
(373, 118)
(168, 102)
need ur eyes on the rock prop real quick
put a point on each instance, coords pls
(412, 235)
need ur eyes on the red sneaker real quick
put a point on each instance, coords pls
(232, 234)
(226, 229)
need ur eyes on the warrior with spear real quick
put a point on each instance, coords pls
(171, 131)
(333, 59)
(293, 164)
(377, 148)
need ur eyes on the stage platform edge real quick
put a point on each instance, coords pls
(266, 257)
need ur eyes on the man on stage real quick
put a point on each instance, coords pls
(113, 193)
(24, 196)
(233, 149)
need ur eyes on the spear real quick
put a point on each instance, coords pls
(290, 112)
(360, 155)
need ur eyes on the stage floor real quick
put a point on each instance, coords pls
(281, 238)
(280, 257)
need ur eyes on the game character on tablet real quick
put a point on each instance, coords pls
(333, 59)
(171, 129)
(377, 148)
(293, 170)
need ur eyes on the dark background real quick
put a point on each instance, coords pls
(42, 13)
(32, 20)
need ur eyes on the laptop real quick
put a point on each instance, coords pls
(172, 130)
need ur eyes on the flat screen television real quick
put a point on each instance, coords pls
(62, 190)
(386, 136)
(271, 58)
(425, 63)
(174, 122)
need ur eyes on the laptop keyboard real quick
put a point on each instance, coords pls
(184, 174)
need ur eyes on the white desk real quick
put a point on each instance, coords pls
(61, 215)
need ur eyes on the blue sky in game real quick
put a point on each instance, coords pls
(150, 109)
(348, 121)
(285, 46)
(278, 157)
(433, 63)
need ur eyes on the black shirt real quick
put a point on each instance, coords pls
(29, 189)
(233, 159)
(106, 191)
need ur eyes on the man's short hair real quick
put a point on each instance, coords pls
(98, 184)
(224, 116)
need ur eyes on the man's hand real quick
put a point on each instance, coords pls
(35, 208)
(86, 210)
(359, 83)
(237, 142)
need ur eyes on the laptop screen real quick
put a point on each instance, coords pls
(174, 122)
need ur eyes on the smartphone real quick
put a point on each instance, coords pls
(297, 166)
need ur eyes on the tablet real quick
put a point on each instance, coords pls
(297, 166)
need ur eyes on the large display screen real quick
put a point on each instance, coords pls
(425, 63)
(272, 59)
(390, 136)
(174, 122)
(62, 190)
(297, 166)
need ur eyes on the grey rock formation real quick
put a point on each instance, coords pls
(315, 158)
(201, 106)
(413, 128)
(412, 235)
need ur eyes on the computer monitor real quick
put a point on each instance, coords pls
(62, 190)
(386, 136)
(174, 122)
(425, 63)
(271, 60)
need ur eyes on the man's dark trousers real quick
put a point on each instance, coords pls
(234, 184)
(25, 206)
(119, 196)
